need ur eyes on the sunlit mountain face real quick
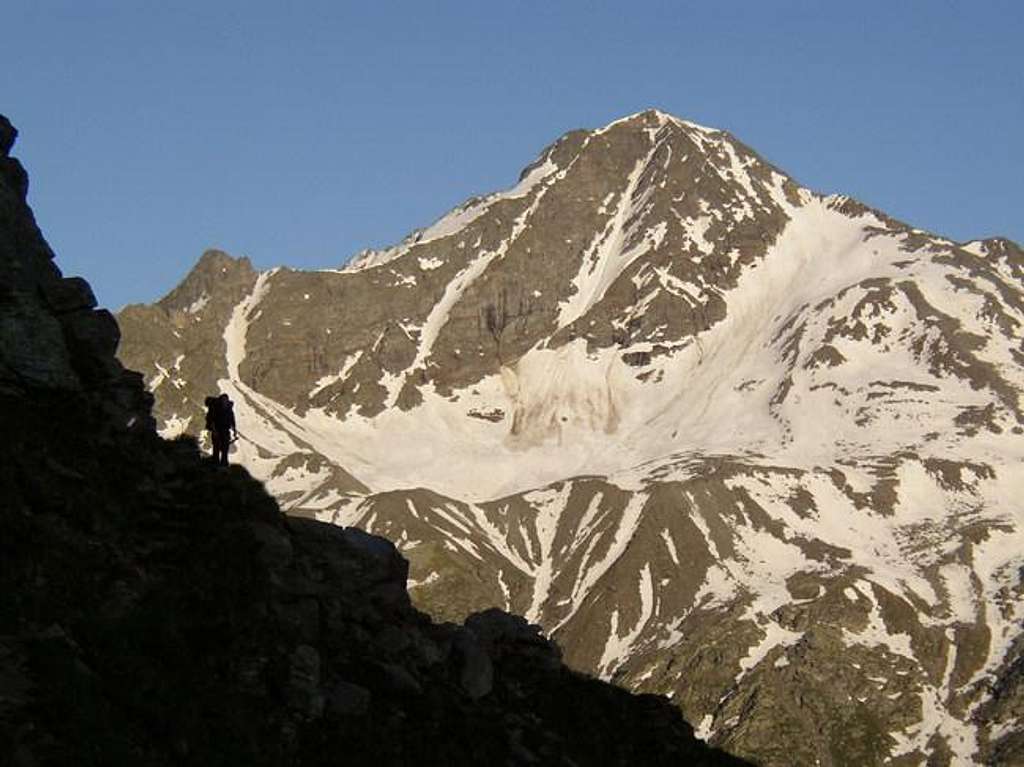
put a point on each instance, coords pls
(724, 438)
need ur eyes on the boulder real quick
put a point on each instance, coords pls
(14, 175)
(69, 294)
(275, 546)
(300, 618)
(472, 664)
(398, 680)
(32, 347)
(348, 699)
(302, 687)
(501, 633)
(92, 338)
(8, 135)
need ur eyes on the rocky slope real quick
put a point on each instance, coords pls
(724, 438)
(158, 611)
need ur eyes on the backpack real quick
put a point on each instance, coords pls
(224, 415)
(212, 406)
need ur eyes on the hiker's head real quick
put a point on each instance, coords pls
(224, 397)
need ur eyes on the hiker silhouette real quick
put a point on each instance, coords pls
(220, 422)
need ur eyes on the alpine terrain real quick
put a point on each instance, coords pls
(724, 438)
(158, 610)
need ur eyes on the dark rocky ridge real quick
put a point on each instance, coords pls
(51, 333)
(157, 611)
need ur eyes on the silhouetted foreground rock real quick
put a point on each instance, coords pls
(155, 610)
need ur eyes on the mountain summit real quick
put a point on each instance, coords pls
(699, 422)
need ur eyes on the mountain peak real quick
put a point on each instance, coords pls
(726, 438)
(663, 151)
(214, 270)
(214, 259)
(652, 118)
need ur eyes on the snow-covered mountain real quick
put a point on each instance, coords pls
(724, 438)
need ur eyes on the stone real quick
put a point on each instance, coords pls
(390, 595)
(381, 550)
(69, 294)
(8, 135)
(33, 350)
(275, 545)
(348, 699)
(302, 686)
(130, 403)
(13, 175)
(493, 624)
(426, 651)
(301, 618)
(252, 673)
(92, 338)
(499, 632)
(473, 666)
(391, 640)
(399, 680)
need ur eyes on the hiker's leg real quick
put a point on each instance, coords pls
(225, 440)
(219, 449)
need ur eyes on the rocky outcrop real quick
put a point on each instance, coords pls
(52, 336)
(1001, 715)
(163, 611)
(158, 610)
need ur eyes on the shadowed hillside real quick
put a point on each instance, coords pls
(157, 611)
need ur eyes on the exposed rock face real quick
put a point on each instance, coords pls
(175, 317)
(157, 610)
(722, 437)
(52, 336)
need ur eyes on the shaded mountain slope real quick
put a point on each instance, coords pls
(158, 611)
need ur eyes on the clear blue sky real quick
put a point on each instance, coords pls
(297, 133)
